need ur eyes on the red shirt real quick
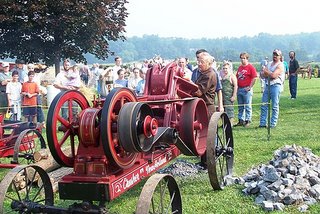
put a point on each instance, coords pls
(245, 75)
(30, 87)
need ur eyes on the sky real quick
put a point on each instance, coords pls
(194, 19)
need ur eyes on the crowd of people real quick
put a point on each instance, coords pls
(20, 92)
(20, 87)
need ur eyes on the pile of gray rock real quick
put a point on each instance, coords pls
(292, 177)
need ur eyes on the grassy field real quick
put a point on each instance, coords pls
(298, 124)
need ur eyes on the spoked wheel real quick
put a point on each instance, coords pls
(160, 194)
(20, 195)
(28, 142)
(137, 127)
(219, 149)
(109, 127)
(194, 125)
(63, 125)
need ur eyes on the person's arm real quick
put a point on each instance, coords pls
(234, 82)
(220, 101)
(8, 95)
(296, 67)
(275, 74)
(253, 81)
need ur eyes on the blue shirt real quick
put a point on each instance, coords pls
(140, 87)
(122, 82)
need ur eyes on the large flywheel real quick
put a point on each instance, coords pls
(63, 125)
(194, 125)
(109, 133)
(219, 149)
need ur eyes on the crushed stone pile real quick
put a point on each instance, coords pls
(292, 177)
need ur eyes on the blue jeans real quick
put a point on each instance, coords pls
(275, 98)
(293, 86)
(244, 104)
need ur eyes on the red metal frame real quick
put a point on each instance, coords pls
(8, 140)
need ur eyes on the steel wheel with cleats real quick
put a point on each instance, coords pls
(21, 195)
(160, 194)
(28, 142)
(219, 149)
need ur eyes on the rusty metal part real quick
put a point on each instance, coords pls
(219, 149)
(194, 125)
(136, 127)
(22, 198)
(109, 128)
(89, 130)
(160, 194)
(26, 145)
(63, 125)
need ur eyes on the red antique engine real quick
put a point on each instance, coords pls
(116, 142)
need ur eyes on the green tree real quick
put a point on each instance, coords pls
(50, 30)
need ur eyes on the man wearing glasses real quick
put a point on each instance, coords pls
(274, 75)
(246, 77)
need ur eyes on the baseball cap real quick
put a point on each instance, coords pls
(5, 64)
(277, 51)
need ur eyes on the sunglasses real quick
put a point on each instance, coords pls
(275, 53)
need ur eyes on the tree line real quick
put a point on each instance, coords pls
(306, 46)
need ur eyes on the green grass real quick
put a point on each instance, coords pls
(298, 124)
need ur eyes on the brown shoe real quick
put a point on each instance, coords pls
(246, 124)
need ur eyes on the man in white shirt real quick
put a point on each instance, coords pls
(182, 63)
(116, 67)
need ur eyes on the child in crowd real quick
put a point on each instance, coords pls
(13, 91)
(73, 76)
(142, 82)
(30, 91)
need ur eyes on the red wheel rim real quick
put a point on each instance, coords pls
(58, 141)
(109, 131)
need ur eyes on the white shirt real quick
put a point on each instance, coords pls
(14, 89)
